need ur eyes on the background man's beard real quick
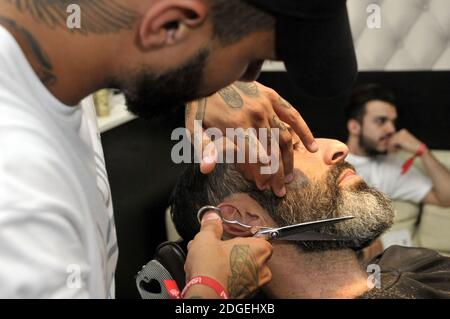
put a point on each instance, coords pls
(164, 96)
(320, 200)
(369, 146)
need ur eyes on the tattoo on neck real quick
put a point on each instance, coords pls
(97, 16)
(250, 89)
(232, 97)
(244, 272)
(43, 66)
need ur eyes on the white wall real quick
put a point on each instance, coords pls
(411, 34)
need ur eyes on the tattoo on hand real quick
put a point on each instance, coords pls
(244, 272)
(232, 97)
(285, 103)
(44, 68)
(279, 123)
(250, 89)
(99, 16)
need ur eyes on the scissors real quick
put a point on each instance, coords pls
(296, 232)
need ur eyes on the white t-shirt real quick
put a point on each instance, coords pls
(57, 232)
(384, 173)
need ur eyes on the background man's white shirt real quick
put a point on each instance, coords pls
(57, 232)
(384, 173)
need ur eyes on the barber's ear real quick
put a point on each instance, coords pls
(354, 127)
(167, 22)
(231, 213)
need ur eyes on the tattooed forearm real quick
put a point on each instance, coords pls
(250, 89)
(244, 272)
(43, 66)
(97, 16)
(231, 97)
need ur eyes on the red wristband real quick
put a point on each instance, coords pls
(421, 150)
(408, 163)
(207, 281)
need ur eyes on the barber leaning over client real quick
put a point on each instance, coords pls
(55, 207)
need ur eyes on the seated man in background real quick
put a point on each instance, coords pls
(373, 142)
(324, 187)
(373, 139)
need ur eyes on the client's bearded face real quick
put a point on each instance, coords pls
(307, 201)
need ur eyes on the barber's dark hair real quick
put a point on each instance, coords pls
(234, 19)
(362, 95)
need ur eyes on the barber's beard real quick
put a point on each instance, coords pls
(369, 146)
(326, 199)
(163, 96)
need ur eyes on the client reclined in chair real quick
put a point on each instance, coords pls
(325, 186)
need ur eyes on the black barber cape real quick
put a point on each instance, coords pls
(411, 273)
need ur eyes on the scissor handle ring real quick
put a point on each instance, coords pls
(202, 211)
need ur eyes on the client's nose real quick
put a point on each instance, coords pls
(332, 151)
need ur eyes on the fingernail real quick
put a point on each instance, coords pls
(210, 216)
(209, 160)
(314, 146)
(282, 192)
(210, 157)
(289, 178)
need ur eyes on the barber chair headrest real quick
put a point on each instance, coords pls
(158, 277)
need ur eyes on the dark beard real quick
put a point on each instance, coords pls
(309, 201)
(163, 97)
(369, 146)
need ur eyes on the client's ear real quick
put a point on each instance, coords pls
(232, 213)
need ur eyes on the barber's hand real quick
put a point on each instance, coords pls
(239, 264)
(252, 105)
(404, 140)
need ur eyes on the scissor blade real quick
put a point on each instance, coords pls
(313, 236)
(287, 231)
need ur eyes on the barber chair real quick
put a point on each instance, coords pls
(159, 276)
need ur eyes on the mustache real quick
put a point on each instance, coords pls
(386, 137)
(336, 171)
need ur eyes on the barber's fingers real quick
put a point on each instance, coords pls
(212, 224)
(195, 112)
(205, 150)
(277, 182)
(255, 157)
(271, 175)
(286, 149)
(287, 113)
